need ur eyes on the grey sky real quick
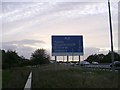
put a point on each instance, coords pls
(37, 21)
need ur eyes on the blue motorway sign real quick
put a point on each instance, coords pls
(67, 45)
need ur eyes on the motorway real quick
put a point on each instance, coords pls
(98, 66)
(105, 66)
(101, 66)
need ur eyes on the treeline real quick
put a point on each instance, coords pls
(101, 58)
(12, 59)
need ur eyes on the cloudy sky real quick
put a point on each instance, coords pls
(27, 26)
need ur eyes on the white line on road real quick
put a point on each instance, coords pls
(28, 83)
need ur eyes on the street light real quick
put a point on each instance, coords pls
(111, 36)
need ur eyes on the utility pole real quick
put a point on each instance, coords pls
(111, 36)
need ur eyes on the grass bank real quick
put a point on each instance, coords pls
(45, 76)
(15, 77)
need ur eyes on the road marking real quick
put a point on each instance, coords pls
(28, 83)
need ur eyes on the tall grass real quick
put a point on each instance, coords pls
(15, 77)
(73, 77)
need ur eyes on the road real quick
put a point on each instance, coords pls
(101, 66)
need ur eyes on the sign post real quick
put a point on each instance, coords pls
(63, 58)
(67, 60)
(55, 63)
(79, 60)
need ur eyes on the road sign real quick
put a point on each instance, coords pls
(67, 45)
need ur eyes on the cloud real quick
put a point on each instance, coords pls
(91, 50)
(26, 41)
(9, 46)
(25, 51)
(23, 47)
(42, 19)
(19, 17)
(14, 11)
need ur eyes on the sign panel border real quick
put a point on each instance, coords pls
(68, 53)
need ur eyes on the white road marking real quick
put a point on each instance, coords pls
(28, 83)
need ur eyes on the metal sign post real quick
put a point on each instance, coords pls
(55, 63)
(63, 59)
(111, 36)
(72, 58)
(67, 59)
(79, 60)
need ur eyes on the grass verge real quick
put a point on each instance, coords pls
(15, 77)
(45, 76)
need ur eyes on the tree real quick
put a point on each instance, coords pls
(107, 58)
(10, 59)
(101, 58)
(95, 58)
(39, 57)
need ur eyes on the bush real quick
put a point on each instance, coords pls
(39, 57)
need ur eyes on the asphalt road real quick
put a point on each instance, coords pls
(101, 66)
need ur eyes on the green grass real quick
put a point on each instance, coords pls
(0, 78)
(45, 76)
(15, 77)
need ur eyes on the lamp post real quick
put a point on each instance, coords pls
(111, 36)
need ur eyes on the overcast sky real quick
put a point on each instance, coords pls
(27, 26)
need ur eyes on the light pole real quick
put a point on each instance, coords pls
(111, 36)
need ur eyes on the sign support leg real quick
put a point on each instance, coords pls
(72, 58)
(79, 60)
(55, 63)
(67, 59)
